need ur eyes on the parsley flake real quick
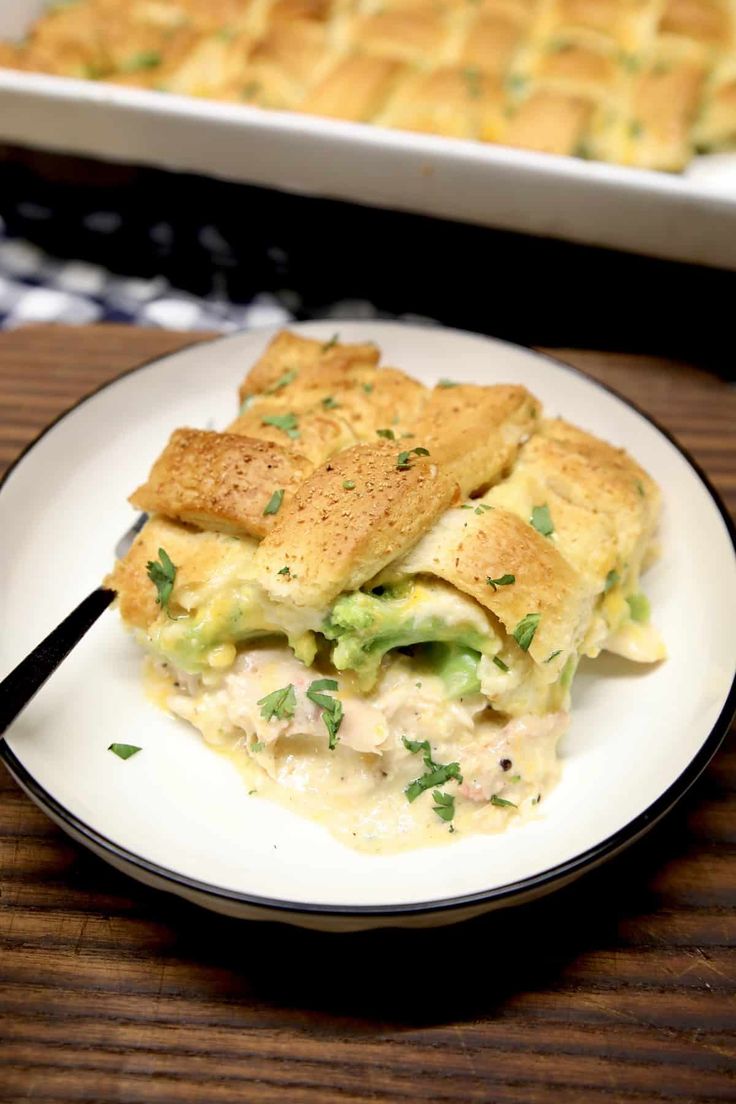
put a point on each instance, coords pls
(146, 59)
(282, 381)
(503, 580)
(553, 656)
(331, 343)
(284, 570)
(349, 484)
(124, 751)
(482, 508)
(274, 503)
(445, 383)
(288, 422)
(612, 578)
(329, 403)
(403, 460)
(640, 488)
(428, 781)
(473, 79)
(502, 803)
(500, 664)
(524, 632)
(436, 775)
(444, 805)
(257, 746)
(387, 433)
(332, 712)
(368, 387)
(279, 703)
(542, 520)
(162, 573)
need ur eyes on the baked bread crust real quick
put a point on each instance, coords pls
(220, 481)
(353, 507)
(636, 82)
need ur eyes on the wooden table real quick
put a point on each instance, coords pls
(620, 988)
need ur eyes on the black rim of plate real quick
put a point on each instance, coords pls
(538, 883)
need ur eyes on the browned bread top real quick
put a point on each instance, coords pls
(220, 481)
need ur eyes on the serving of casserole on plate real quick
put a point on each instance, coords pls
(375, 595)
(383, 591)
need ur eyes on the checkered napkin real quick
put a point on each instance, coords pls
(36, 288)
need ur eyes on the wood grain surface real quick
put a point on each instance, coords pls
(620, 988)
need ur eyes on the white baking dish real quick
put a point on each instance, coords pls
(690, 217)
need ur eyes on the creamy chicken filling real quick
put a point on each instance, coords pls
(407, 758)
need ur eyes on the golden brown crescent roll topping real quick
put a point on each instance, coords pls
(220, 481)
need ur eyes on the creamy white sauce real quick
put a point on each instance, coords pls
(358, 790)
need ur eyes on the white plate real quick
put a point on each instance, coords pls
(688, 217)
(178, 815)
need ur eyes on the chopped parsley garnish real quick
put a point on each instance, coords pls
(516, 84)
(444, 383)
(124, 751)
(146, 59)
(349, 484)
(332, 712)
(279, 703)
(640, 488)
(524, 632)
(500, 664)
(514, 778)
(403, 460)
(274, 503)
(367, 387)
(162, 573)
(466, 506)
(473, 80)
(322, 684)
(482, 508)
(284, 570)
(436, 774)
(257, 746)
(542, 521)
(437, 777)
(612, 578)
(329, 403)
(288, 422)
(553, 656)
(331, 343)
(502, 803)
(387, 433)
(282, 381)
(444, 805)
(502, 580)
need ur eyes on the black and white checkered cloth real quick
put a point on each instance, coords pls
(34, 287)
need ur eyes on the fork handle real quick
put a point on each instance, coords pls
(17, 689)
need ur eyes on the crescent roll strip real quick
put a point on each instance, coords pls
(475, 432)
(220, 481)
(348, 520)
(467, 549)
(198, 556)
(603, 507)
(287, 353)
(316, 434)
